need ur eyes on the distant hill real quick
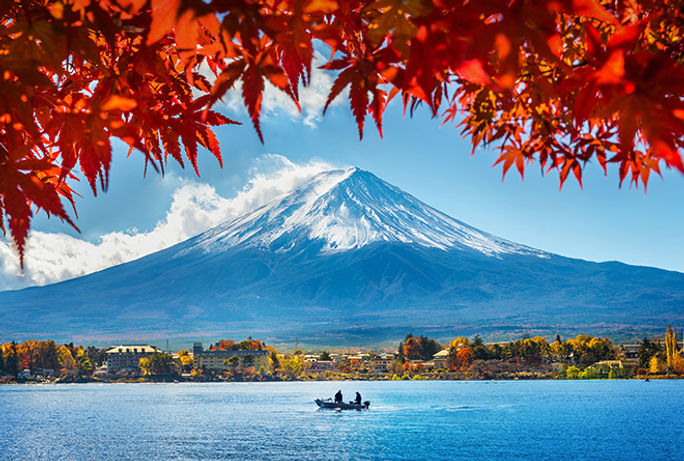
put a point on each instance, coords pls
(347, 259)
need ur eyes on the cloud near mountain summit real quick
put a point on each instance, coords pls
(196, 207)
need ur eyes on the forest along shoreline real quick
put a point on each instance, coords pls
(415, 358)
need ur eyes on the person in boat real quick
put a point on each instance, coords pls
(358, 398)
(338, 397)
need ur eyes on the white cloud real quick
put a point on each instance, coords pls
(196, 207)
(276, 103)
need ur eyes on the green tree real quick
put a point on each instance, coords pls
(647, 350)
(588, 373)
(480, 352)
(85, 366)
(97, 355)
(161, 364)
(572, 372)
(325, 355)
(11, 358)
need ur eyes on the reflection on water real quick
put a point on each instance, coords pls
(406, 420)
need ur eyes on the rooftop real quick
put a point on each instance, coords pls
(136, 348)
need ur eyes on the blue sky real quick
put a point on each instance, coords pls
(601, 222)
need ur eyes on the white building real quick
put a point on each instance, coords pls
(126, 358)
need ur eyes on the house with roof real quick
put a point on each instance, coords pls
(441, 359)
(126, 357)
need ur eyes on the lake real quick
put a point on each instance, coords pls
(407, 420)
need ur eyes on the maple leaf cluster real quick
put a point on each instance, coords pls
(557, 82)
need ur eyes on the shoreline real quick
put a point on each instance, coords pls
(361, 379)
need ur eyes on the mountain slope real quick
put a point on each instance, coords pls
(347, 209)
(346, 258)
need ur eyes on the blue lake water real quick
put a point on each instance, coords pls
(408, 420)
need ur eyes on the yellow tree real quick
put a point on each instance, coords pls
(670, 345)
(293, 365)
(459, 342)
(144, 365)
(186, 361)
(654, 365)
(673, 357)
(66, 360)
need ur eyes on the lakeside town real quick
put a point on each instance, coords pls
(416, 358)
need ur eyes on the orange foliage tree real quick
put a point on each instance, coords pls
(418, 348)
(459, 359)
(248, 344)
(558, 82)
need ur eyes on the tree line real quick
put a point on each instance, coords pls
(576, 355)
(465, 357)
(49, 357)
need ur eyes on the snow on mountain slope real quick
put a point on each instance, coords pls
(348, 209)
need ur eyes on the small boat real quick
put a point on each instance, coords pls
(330, 404)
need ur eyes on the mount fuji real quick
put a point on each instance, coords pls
(346, 259)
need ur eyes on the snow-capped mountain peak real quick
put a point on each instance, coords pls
(347, 209)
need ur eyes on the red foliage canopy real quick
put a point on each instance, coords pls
(460, 359)
(559, 82)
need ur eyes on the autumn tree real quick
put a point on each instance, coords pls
(670, 345)
(273, 360)
(66, 360)
(460, 359)
(673, 358)
(558, 83)
(46, 355)
(418, 348)
(292, 366)
(561, 350)
(25, 354)
(655, 365)
(458, 342)
(588, 349)
(532, 350)
(144, 365)
(186, 360)
(223, 345)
